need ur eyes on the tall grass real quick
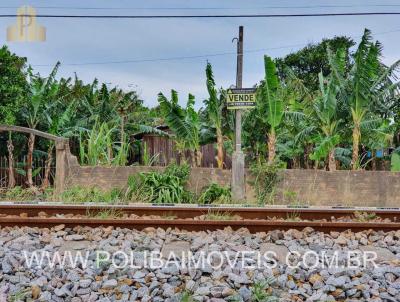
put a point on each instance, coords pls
(122, 152)
(93, 194)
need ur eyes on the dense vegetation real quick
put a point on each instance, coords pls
(328, 106)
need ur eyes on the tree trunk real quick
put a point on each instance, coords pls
(271, 147)
(193, 158)
(308, 151)
(356, 142)
(46, 180)
(29, 160)
(331, 160)
(122, 134)
(11, 176)
(373, 161)
(199, 157)
(179, 159)
(296, 163)
(220, 149)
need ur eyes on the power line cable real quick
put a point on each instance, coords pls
(171, 58)
(194, 56)
(204, 16)
(208, 8)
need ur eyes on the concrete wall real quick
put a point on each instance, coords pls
(314, 187)
(358, 188)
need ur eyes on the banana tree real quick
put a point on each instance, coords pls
(298, 109)
(214, 107)
(270, 104)
(367, 85)
(184, 122)
(326, 122)
(41, 91)
(290, 148)
(378, 135)
(124, 104)
(96, 105)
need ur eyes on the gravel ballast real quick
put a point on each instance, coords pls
(110, 264)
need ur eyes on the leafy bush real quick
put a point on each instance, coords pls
(266, 178)
(214, 193)
(161, 187)
(180, 171)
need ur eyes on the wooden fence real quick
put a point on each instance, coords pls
(163, 150)
(39, 164)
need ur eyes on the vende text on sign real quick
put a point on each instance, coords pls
(241, 98)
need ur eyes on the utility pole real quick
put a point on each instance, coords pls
(238, 185)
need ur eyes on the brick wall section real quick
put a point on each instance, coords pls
(314, 187)
(358, 188)
(112, 177)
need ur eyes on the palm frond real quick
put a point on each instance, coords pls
(323, 148)
(337, 63)
(305, 133)
(371, 124)
(343, 155)
(183, 122)
(151, 130)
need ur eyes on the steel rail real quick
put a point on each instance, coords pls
(199, 225)
(179, 211)
(253, 218)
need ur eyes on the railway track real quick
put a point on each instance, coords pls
(256, 219)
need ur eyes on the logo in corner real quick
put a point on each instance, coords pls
(26, 29)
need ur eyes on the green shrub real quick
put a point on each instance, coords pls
(186, 296)
(180, 171)
(22, 194)
(266, 177)
(80, 194)
(19, 193)
(260, 291)
(160, 187)
(115, 195)
(395, 162)
(19, 295)
(214, 193)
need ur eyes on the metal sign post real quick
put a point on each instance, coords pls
(238, 185)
